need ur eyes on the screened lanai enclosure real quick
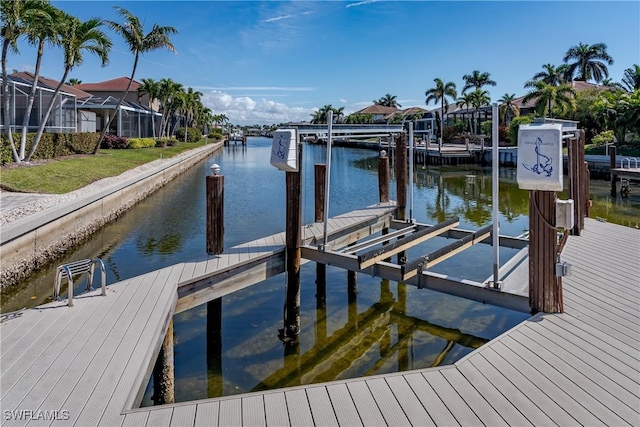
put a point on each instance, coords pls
(63, 117)
(132, 120)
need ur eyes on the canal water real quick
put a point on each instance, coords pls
(390, 327)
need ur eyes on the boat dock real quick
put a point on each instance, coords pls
(89, 364)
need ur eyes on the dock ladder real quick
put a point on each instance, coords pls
(76, 268)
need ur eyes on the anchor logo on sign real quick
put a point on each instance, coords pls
(282, 148)
(543, 163)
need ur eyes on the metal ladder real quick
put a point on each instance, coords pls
(76, 268)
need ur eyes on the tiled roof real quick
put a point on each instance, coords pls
(377, 109)
(51, 84)
(113, 85)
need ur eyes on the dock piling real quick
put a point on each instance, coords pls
(320, 183)
(401, 184)
(163, 372)
(612, 166)
(215, 212)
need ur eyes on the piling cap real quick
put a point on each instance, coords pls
(215, 169)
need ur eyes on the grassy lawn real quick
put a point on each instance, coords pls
(65, 175)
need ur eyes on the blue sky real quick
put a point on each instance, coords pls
(276, 61)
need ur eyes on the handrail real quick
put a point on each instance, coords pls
(74, 269)
(628, 162)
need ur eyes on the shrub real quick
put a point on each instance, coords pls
(216, 133)
(53, 145)
(449, 134)
(114, 142)
(167, 142)
(141, 142)
(460, 126)
(486, 127)
(503, 133)
(193, 134)
(5, 151)
(603, 138)
(513, 127)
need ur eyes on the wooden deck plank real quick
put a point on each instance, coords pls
(386, 401)
(321, 408)
(13, 330)
(230, 412)
(409, 402)
(625, 322)
(365, 404)
(435, 407)
(577, 318)
(574, 309)
(298, 406)
(624, 304)
(158, 417)
(511, 415)
(135, 419)
(458, 407)
(536, 395)
(611, 410)
(253, 413)
(533, 414)
(569, 403)
(275, 406)
(183, 416)
(207, 414)
(345, 409)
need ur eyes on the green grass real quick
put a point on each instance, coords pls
(65, 175)
(632, 150)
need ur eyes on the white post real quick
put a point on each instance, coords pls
(495, 195)
(411, 172)
(327, 179)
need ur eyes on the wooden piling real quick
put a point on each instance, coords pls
(320, 184)
(587, 190)
(575, 192)
(545, 288)
(401, 184)
(612, 166)
(163, 372)
(584, 179)
(214, 348)
(383, 177)
(293, 242)
(215, 214)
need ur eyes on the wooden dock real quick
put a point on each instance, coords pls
(90, 363)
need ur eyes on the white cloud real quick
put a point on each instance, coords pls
(244, 110)
(277, 18)
(362, 3)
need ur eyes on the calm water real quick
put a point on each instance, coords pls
(390, 328)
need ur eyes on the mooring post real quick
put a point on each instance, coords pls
(612, 166)
(215, 211)
(587, 190)
(320, 171)
(383, 177)
(545, 288)
(584, 179)
(293, 242)
(214, 348)
(163, 374)
(403, 330)
(352, 284)
(401, 185)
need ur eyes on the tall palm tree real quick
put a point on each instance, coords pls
(590, 62)
(151, 88)
(479, 98)
(73, 82)
(15, 18)
(631, 79)
(477, 80)
(76, 37)
(169, 94)
(507, 103)
(550, 74)
(388, 101)
(41, 30)
(133, 34)
(440, 93)
(547, 96)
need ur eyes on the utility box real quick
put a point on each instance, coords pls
(564, 214)
(284, 150)
(540, 157)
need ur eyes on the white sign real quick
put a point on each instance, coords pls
(540, 157)
(284, 150)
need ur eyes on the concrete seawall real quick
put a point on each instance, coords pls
(31, 242)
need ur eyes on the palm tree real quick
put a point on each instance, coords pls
(169, 93)
(477, 80)
(465, 101)
(191, 103)
(76, 37)
(479, 98)
(40, 28)
(441, 92)
(546, 96)
(631, 79)
(590, 62)
(133, 34)
(151, 88)
(551, 75)
(73, 82)
(15, 17)
(507, 103)
(388, 101)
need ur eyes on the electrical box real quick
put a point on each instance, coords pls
(284, 150)
(564, 214)
(540, 157)
(563, 269)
